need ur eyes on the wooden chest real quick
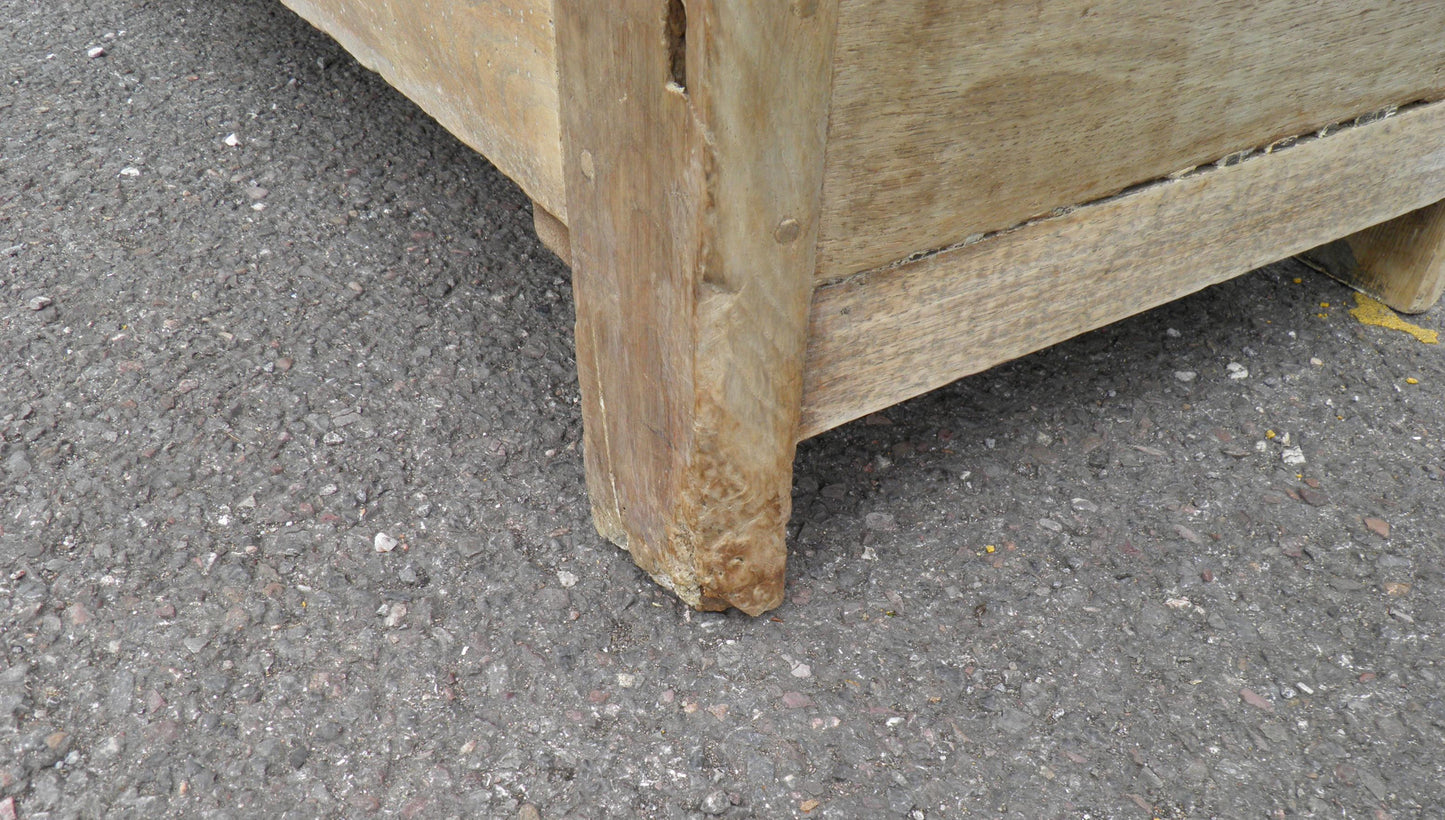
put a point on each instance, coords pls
(785, 214)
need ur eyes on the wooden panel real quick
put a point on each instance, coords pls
(693, 141)
(885, 336)
(485, 69)
(957, 117)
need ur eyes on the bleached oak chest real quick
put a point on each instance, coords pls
(784, 215)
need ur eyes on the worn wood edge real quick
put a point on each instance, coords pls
(552, 232)
(632, 215)
(760, 84)
(693, 191)
(1400, 262)
(539, 182)
(879, 338)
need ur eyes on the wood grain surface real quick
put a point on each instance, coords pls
(1402, 262)
(957, 117)
(485, 69)
(694, 168)
(885, 336)
(552, 233)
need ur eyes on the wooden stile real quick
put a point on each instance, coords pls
(693, 179)
(552, 232)
(1401, 262)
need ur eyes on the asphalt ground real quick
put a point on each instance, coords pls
(292, 515)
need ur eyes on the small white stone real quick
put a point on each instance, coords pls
(566, 579)
(232, 140)
(1237, 370)
(1293, 456)
(1185, 376)
(1172, 333)
(95, 52)
(130, 171)
(384, 543)
(870, 554)
(395, 615)
(880, 521)
(802, 670)
(626, 680)
(715, 803)
(110, 749)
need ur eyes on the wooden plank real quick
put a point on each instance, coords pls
(693, 145)
(1401, 262)
(486, 71)
(885, 336)
(958, 117)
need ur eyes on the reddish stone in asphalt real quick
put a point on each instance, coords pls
(1249, 696)
(796, 700)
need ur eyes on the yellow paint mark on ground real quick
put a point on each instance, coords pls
(1372, 312)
